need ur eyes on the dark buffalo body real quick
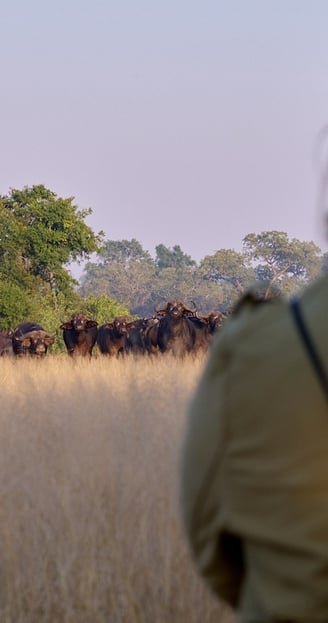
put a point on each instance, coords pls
(176, 334)
(80, 335)
(205, 329)
(202, 335)
(215, 321)
(29, 338)
(112, 337)
(6, 343)
(150, 336)
(136, 336)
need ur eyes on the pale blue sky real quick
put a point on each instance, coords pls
(190, 123)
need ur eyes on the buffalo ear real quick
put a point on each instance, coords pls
(26, 342)
(48, 340)
(91, 323)
(66, 325)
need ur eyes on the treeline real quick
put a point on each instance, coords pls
(269, 263)
(41, 234)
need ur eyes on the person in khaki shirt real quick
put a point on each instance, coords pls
(254, 467)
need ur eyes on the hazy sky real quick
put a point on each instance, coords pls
(177, 122)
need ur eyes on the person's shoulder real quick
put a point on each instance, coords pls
(256, 310)
(250, 312)
(253, 307)
(252, 300)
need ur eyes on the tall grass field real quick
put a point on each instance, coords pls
(90, 525)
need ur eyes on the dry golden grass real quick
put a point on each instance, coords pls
(90, 527)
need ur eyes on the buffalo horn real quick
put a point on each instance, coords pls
(191, 311)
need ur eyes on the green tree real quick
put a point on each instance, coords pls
(172, 258)
(15, 304)
(227, 266)
(282, 265)
(171, 284)
(122, 252)
(41, 234)
(186, 285)
(123, 271)
(103, 308)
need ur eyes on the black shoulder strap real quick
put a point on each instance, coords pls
(309, 346)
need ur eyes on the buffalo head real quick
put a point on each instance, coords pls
(175, 309)
(78, 322)
(34, 342)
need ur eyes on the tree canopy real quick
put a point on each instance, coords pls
(123, 270)
(41, 234)
(172, 258)
(227, 266)
(269, 262)
(282, 265)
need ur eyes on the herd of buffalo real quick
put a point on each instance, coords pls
(174, 329)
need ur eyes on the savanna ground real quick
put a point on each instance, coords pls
(90, 525)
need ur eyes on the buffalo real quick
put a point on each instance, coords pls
(150, 336)
(205, 329)
(80, 335)
(112, 337)
(176, 334)
(135, 339)
(29, 338)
